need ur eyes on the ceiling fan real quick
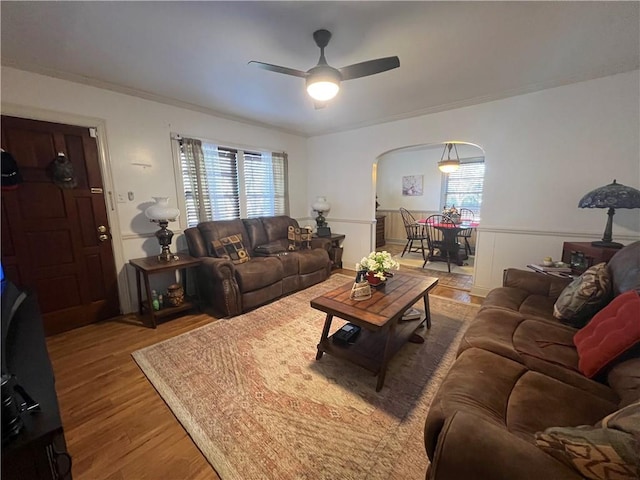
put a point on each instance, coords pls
(323, 81)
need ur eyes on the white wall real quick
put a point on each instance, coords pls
(543, 152)
(419, 160)
(395, 165)
(138, 131)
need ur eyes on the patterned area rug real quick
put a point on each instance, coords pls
(251, 395)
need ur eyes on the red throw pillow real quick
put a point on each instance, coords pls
(612, 331)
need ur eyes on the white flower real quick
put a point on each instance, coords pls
(379, 263)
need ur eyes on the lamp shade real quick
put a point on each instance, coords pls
(321, 205)
(161, 211)
(449, 164)
(614, 195)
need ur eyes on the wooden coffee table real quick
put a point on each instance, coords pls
(382, 334)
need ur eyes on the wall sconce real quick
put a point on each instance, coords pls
(612, 196)
(161, 213)
(450, 164)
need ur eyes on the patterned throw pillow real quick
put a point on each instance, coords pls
(583, 297)
(231, 248)
(299, 238)
(609, 450)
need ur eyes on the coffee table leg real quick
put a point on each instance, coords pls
(385, 358)
(427, 311)
(325, 335)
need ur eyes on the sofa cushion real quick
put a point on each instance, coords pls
(540, 345)
(277, 228)
(583, 297)
(624, 379)
(299, 238)
(255, 230)
(232, 248)
(613, 331)
(310, 261)
(510, 395)
(522, 301)
(217, 229)
(602, 452)
(260, 272)
(624, 268)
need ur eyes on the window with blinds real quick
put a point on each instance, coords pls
(463, 188)
(223, 183)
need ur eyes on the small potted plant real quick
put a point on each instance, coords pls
(377, 265)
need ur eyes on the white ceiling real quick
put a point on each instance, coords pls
(195, 53)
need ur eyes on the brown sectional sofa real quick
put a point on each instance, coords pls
(272, 271)
(517, 374)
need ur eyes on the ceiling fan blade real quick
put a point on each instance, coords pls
(370, 67)
(279, 69)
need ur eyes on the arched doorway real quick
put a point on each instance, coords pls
(408, 177)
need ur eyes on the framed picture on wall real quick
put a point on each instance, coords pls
(412, 185)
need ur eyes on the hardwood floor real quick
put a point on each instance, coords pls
(116, 425)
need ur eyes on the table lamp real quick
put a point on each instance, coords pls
(321, 206)
(161, 213)
(612, 196)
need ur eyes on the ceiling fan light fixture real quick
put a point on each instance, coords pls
(323, 91)
(449, 165)
(323, 84)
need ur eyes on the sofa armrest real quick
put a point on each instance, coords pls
(217, 285)
(217, 268)
(321, 242)
(534, 283)
(472, 447)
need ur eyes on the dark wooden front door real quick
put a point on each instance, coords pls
(57, 241)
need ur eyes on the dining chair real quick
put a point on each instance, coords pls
(439, 241)
(466, 215)
(415, 232)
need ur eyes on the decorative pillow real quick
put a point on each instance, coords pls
(613, 330)
(231, 248)
(299, 238)
(610, 450)
(583, 297)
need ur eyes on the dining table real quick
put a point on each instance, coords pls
(450, 231)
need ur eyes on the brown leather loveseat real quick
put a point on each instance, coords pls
(518, 373)
(271, 270)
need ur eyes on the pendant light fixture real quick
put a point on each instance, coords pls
(450, 164)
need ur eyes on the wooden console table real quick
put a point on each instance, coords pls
(591, 255)
(148, 266)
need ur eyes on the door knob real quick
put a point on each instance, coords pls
(102, 229)
(103, 237)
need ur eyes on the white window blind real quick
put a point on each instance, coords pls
(463, 188)
(222, 183)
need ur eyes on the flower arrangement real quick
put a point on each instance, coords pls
(451, 211)
(378, 263)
